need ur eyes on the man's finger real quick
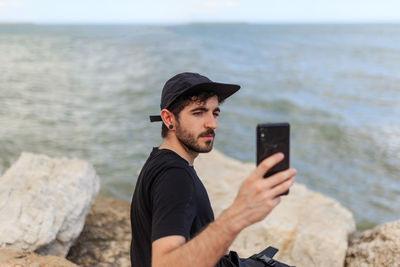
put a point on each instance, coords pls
(283, 187)
(267, 164)
(279, 177)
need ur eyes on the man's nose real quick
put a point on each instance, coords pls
(211, 122)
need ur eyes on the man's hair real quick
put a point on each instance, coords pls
(181, 102)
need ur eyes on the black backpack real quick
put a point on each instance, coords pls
(262, 259)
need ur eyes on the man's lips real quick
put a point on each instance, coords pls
(207, 137)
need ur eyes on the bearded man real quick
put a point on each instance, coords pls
(171, 216)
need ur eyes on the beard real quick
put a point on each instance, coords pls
(191, 142)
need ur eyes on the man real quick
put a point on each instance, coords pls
(172, 220)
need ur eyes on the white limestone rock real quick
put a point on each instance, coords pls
(308, 228)
(44, 202)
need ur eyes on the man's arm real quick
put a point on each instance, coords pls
(255, 200)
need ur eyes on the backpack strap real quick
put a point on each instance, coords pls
(263, 259)
(270, 251)
(265, 256)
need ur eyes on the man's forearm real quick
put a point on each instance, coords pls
(205, 249)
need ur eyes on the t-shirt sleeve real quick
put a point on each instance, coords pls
(172, 204)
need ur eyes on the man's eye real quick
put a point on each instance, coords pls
(216, 114)
(197, 113)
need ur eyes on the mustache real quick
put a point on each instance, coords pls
(208, 132)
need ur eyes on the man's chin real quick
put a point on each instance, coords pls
(206, 149)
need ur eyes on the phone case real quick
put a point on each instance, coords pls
(273, 138)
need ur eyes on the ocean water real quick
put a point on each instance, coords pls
(86, 91)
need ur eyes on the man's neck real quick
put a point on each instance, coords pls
(172, 143)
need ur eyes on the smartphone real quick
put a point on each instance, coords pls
(273, 138)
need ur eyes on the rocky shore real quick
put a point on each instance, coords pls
(48, 206)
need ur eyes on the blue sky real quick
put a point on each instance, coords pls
(174, 11)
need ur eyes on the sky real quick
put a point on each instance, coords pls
(191, 11)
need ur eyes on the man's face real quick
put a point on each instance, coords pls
(197, 123)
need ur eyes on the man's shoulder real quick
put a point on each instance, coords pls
(165, 159)
(164, 168)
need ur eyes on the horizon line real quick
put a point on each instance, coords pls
(169, 23)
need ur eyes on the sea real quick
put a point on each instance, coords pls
(86, 91)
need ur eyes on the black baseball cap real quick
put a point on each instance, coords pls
(189, 83)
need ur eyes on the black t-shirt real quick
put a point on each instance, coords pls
(169, 199)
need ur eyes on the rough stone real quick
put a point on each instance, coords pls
(105, 239)
(308, 228)
(24, 258)
(377, 247)
(44, 202)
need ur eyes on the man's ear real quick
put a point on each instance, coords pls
(168, 118)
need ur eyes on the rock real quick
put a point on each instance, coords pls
(105, 239)
(377, 247)
(15, 257)
(44, 202)
(308, 228)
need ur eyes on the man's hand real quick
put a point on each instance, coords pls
(257, 196)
